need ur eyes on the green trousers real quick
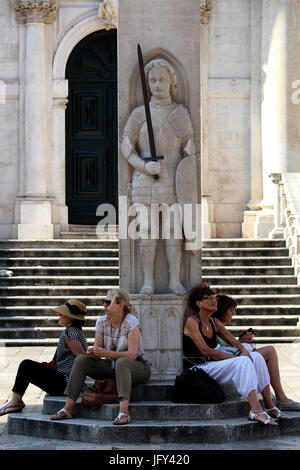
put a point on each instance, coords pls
(127, 373)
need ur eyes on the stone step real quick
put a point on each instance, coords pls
(242, 242)
(264, 320)
(149, 431)
(277, 290)
(265, 299)
(51, 300)
(96, 309)
(244, 252)
(62, 261)
(158, 410)
(52, 342)
(64, 290)
(49, 281)
(58, 252)
(50, 320)
(245, 261)
(64, 270)
(40, 331)
(43, 311)
(252, 280)
(58, 243)
(247, 271)
(282, 310)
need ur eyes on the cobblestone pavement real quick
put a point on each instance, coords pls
(10, 358)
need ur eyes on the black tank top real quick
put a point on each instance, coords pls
(191, 354)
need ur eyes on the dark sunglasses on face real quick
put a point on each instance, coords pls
(107, 302)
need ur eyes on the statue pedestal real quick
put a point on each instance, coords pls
(161, 320)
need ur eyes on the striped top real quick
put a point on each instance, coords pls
(116, 339)
(64, 357)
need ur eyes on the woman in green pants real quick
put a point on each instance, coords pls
(118, 353)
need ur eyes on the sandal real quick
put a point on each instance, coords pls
(12, 408)
(288, 405)
(62, 414)
(275, 411)
(117, 420)
(253, 417)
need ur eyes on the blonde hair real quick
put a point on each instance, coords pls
(123, 298)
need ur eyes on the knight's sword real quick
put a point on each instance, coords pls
(154, 157)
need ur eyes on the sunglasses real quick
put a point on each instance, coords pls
(210, 298)
(107, 302)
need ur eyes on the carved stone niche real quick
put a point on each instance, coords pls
(35, 11)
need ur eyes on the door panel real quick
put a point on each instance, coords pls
(91, 128)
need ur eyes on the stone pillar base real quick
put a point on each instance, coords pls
(208, 228)
(248, 225)
(264, 223)
(161, 320)
(33, 216)
(258, 224)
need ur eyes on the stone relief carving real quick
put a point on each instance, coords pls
(205, 11)
(41, 11)
(108, 13)
(173, 133)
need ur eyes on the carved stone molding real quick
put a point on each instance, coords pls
(35, 11)
(205, 11)
(108, 13)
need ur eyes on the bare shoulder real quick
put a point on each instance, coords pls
(191, 324)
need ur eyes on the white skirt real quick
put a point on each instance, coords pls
(246, 375)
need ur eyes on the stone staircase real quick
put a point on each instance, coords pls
(258, 273)
(47, 273)
(260, 276)
(155, 421)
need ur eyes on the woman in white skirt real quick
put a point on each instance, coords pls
(248, 372)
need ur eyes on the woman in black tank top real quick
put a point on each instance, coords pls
(200, 348)
(248, 374)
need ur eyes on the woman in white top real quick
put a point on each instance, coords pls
(117, 353)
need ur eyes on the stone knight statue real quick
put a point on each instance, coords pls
(173, 133)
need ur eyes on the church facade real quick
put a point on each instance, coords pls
(69, 80)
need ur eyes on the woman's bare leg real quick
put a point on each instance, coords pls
(270, 356)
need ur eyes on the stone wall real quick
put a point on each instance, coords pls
(229, 114)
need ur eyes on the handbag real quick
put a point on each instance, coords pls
(196, 386)
(102, 392)
(50, 364)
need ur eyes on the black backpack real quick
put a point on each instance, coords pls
(196, 386)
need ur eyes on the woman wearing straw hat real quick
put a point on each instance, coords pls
(118, 353)
(52, 377)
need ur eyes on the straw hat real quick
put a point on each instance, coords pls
(72, 308)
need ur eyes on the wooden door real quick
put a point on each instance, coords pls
(91, 127)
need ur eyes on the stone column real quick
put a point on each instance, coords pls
(59, 105)
(274, 99)
(208, 227)
(255, 129)
(33, 207)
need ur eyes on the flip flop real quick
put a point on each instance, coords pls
(117, 420)
(11, 409)
(288, 406)
(62, 414)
